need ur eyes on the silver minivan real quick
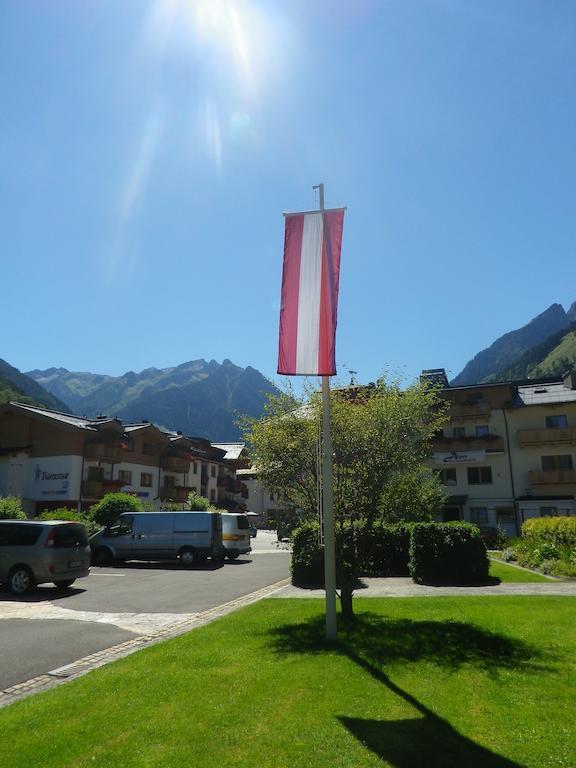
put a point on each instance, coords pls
(189, 537)
(235, 534)
(36, 552)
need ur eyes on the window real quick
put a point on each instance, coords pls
(121, 527)
(70, 535)
(504, 516)
(149, 449)
(242, 523)
(169, 481)
(96, 473)
(195, 467)
(125, 475)
(482, 430)
(19, 535)
(448, 476)
(146, 479)
(212, 470)
(548, 511)
(212, 494)
(552, 463)
(479, 515)
(559, 421)
(479, 475)
(459, 432)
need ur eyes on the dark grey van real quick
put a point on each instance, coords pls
(189, 537)
(35, 552)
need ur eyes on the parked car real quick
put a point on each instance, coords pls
(189, 537)
(38, 552)
(253, 531)
(235, 534)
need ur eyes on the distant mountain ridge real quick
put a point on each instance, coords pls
(199, 398)
(501, 358)
(15, 385)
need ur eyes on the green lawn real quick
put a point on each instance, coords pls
(506, 573)
(474, 682)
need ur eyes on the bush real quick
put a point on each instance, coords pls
(11, 508)
(449, 552)
(560, 531)
(509, 555)
(109, 509)
(563, 569)
(307, 564)
(70, 514)
(390, 550)
(197, 502)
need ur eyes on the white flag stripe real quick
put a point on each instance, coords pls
(309, 294)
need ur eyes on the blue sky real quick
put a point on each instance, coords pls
(148, 149)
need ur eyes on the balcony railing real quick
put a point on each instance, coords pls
(552, 436)
(107, 452)
(174, 493)
(462, 412)
(472, 443)
(175, 464)
(95, 489)
(552, 477)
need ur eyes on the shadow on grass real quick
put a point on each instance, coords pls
(374, 641)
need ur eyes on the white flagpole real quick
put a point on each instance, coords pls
(328, 505)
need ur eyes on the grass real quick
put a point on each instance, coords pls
(475, 682)
(509, 574)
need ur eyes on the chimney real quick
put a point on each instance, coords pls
(569, 379)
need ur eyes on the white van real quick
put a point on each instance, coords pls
(190, 537)
(235, 534)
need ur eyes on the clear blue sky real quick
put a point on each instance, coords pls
(148, 149)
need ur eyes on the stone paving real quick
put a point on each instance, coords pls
(405, 587)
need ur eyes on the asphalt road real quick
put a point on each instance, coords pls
(49, 629)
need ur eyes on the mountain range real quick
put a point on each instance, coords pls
(15, 385)
(546, 346)
(199, 398)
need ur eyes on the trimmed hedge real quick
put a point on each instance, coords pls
(63, 513)
(453, 552)
(448, 552)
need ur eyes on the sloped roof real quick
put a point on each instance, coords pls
(63, 418)
(233, 450)
(546, 394)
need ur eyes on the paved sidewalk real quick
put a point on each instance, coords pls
(405, 587)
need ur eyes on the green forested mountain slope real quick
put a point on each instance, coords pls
(553, 357)
(199, 398)
(15, 385)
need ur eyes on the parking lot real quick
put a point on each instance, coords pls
(48, 628)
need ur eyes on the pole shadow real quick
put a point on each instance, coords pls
(374, 641)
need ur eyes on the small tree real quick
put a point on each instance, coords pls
(11, 508)
(111, 506)
(197, 502)
(381, 436)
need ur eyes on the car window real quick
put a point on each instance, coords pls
(70, 535)
(120, 527)
(242, 522)
(19, 535)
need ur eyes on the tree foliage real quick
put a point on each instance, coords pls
(112, 505)
(11, 508)
(381, 436)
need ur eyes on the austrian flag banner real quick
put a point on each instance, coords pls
(309, 301)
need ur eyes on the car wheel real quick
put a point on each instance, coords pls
(21, 580)
(103, 557)
(187, 557)
(232, 555)
(64, 584)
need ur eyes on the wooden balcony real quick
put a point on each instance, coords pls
(552, 477)
(552, 436)
(461, 412)
(179, 464)
(174, 493)
(110, 453)
(95, 489)
(472, 443)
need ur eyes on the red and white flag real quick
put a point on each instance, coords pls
(309, 302)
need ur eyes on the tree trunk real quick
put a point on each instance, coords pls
(346, 595)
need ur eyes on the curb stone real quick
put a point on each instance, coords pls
(100, 658)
